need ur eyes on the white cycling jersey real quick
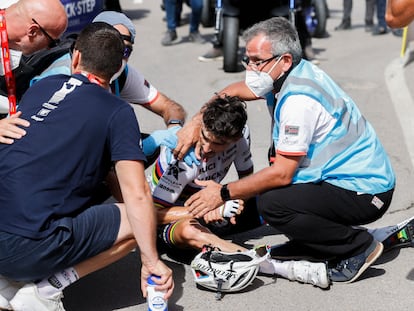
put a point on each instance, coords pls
(137, 90)
(171, 184)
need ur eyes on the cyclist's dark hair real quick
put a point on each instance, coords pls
(225, 117)
(102, 49)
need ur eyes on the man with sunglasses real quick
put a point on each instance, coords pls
(330, 172)
(29, 26)
(131, 85)
(128, 83)
(34, 25)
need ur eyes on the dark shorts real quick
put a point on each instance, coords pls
(75, 240)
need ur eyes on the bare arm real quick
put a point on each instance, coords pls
(399, 13)
(167, 109)
(240, 90)
(141, 217)
(245, 173)
(278, 175)
(11, 128)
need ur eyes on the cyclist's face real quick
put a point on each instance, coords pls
(210, 144)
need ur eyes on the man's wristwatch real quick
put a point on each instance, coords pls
(175, 122)
(225, 193)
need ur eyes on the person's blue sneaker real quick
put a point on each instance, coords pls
(348, 270)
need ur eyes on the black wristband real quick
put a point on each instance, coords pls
(175, 121)
(225, 193)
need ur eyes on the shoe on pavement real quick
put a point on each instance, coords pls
(398, 32)
(402, 235)
(379, 31)
(212, 55)
(308, 51)
(348, 270)
(170, 38)
(8, 289)
(28, 299)
(309, 54)
(314, 273)
(344, 25)
(196, 37)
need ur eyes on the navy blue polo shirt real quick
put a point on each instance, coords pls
(69, 147)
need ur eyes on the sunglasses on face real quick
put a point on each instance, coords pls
(52, 42)
(127, 50)
(128, 47)
(127, 38)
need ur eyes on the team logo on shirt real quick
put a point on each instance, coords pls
(174, 170)
(292, 130)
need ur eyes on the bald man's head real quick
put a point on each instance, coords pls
(33, 25)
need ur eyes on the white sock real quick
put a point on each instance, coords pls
(57, 282)
(273, 266)
(281, 267)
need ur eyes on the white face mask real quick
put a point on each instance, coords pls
(15, 57)
(119, 72)
(259, 82)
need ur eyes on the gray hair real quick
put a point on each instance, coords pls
(281, 33)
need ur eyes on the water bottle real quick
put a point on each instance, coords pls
(155, 298)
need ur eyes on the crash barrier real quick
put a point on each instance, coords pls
(81, 13)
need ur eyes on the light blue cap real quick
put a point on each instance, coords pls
(116, 18)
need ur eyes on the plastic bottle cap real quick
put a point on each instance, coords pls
(150, 281)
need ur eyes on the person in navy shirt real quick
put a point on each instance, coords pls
(49, 229)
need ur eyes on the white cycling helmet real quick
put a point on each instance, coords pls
(225, 272)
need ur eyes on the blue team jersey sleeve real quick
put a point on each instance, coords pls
(124, 136)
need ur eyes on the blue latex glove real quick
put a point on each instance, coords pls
(189, 157)
(171, 142)
(153, 141)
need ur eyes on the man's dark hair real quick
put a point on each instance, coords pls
(102, 49)
(225, 117)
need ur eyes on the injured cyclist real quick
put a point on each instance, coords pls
(223, 140)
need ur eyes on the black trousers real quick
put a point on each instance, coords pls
(347, 4)
(320, 216)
